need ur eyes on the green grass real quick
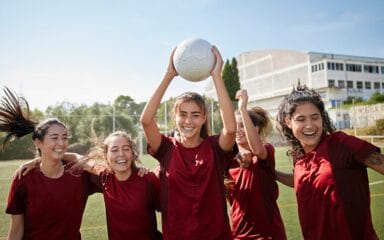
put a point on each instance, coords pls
(94, 226)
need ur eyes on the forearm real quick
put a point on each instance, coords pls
(16, 227)
(253, 138)
(153, 104)
(225, 105)
(376, 162)
(285, 178)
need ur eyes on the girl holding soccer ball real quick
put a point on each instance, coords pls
(193, 202)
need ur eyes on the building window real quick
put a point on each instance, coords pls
(382, 69)
(382, 85)
(331, 66)
(371, 69)
(353, 67)
(339, 67)
(331, 83)
(359, 85)
(376, 85)
(349, 84)
(341, 83)
(321, 66)
(335, 66)
(367, 85)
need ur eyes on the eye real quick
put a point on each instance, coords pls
(316, 117)
(114, 150)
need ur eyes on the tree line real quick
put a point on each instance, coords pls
(89, 124)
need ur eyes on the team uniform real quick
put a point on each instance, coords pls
(52, 208)
(130, 205)
(254, 213)
(332, 190)
(192, 191)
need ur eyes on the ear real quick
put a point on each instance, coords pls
(288, 122)
(37, 143)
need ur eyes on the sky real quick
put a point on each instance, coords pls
(83, 51)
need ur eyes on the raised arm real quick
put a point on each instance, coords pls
(251, 132)
(147, 119)
(227, 135)
(16, 227)
(285, 178)
(376, 162)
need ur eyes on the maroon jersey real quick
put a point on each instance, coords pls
(130, 205)
(332, 190)
(52, 208)
(192, 190)
(254, 213)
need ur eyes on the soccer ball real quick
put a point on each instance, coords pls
(193, 59)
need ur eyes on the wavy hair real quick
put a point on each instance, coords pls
(300, 95)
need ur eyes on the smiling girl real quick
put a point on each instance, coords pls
(192, 187)
(49, 202)
(330, 170)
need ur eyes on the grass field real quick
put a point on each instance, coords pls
(94, 227)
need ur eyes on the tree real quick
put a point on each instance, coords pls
(231, 78)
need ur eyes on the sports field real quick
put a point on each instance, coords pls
(93, 226)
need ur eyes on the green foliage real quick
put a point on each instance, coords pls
(378, 129)
(21, 148)
(231, 78)
(376, 98)
(352, 99)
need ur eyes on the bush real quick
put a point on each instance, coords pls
(378, 129)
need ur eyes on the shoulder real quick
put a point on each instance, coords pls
(151, 177)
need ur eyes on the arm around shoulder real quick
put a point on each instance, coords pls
(285, 178)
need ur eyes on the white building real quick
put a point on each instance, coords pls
(269, 75)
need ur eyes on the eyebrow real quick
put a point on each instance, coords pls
(56, 134)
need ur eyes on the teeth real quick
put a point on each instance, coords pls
(121, 161)
(188, 129)
(309, 133)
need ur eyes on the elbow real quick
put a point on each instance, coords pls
(144, 121)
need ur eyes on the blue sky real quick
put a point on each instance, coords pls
(93, 51)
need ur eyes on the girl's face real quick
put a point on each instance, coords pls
(306, 124)
(189, 120)
(241, 138)
(119, 154)
(54, 144)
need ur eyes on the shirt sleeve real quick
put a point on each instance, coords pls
(16, 198)
(360, 149)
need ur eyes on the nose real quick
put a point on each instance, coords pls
(188, 119)
(60, 141)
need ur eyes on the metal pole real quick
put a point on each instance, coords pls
(113, 118)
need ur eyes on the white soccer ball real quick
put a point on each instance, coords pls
(193, 59)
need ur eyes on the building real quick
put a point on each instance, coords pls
(269, 75)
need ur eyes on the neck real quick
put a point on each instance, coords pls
(191, 142)
(122, 176)
(51, 169)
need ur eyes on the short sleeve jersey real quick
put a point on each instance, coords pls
(332, 190)
(52, 208)
(130, 205)
(193, 201)
(255, 214)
